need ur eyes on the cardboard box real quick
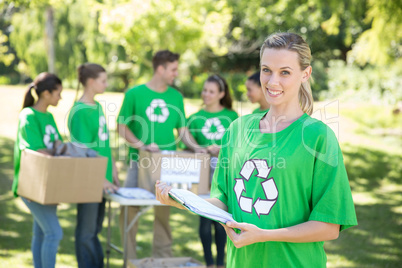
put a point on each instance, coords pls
(184, 262)
(179, 168)
(50, 180)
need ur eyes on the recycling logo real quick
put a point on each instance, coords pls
(213, 122)
(50, 136)
(102, 132)
(157, 117)
(261, 206)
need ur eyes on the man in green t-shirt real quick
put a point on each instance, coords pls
(147, 119)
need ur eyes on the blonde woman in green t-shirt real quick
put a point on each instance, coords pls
(254, 93)
(281, 174)
(207, 127)
(87, 125)
(37, 131)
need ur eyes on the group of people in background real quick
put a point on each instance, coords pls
(87, 126)
(148, 117)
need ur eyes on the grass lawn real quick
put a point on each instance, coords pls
(373, 161)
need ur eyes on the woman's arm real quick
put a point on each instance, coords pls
(310, 231)
(189, 140)
(115, 174)
(162, 195)
(133, 141)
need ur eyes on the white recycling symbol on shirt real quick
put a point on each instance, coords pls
(102, 127)
(206, 129)
(47, 139)
(261, 206)
(161, 118)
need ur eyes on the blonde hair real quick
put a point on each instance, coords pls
(296, 43)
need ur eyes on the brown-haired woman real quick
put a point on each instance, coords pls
(37, 131)
(87, 125)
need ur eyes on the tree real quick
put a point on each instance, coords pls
(76, 38)
(382, 43)
(143, 27)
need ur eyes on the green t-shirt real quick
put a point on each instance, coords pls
(208, 128)
(87, 125)
(36, 131)
(258, 110)
(280, 180)
(152, 116)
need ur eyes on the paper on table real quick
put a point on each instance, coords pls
(199, 206)
(135, 193)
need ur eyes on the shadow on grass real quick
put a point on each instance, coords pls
(367, 169)
(16, 225)
(377, 240)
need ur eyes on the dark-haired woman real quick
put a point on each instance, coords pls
(207, 127)
(255, 94)
(37, 131)
(87, 125)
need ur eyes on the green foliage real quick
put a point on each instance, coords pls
(77, 39)
(212, 36)
(382, 43)
(144, 27)
(27, 40)
(5, 57)
(372, 84)
(4, 80)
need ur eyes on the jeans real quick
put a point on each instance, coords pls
(47, 234)
(206, 240)
(88, 248)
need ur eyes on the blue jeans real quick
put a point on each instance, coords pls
(88, 248)
(47, 234)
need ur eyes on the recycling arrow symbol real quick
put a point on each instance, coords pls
(102, 132)
(206, 129)
(261, 206)
(150, 111)
(47, 139)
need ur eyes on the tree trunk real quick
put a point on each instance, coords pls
(51, 57)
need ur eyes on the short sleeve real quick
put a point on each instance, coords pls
(181, 122)
(127, 108)
(191, 124)
(30, 134)
(219, 187)
(331, 196)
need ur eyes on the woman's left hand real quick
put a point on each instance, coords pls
(213, 149)
(249, 234)
(109, 188)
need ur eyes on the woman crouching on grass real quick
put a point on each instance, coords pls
(87, 125)
(281, 173)
(37, 131)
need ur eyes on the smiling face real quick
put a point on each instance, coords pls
(281, 76)
(169, 72)
(211, 94)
